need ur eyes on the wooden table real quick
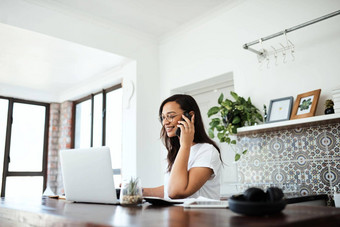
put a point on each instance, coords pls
(52, 212)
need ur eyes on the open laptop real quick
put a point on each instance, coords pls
(88, 176)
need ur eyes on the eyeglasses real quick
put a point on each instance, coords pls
(169, 117)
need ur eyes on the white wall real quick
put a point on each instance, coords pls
(141, 129)
(213, 46)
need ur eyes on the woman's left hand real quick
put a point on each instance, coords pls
(187, 130)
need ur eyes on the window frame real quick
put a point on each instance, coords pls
(7, 173)
(91, 97)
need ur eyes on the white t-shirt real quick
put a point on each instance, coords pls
(203, 155)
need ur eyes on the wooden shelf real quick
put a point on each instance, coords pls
(289, 124)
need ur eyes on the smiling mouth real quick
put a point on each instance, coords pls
(169, 129)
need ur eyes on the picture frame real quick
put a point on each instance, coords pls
(280, 109)
(305, 104)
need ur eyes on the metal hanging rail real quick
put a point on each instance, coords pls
(246, 46)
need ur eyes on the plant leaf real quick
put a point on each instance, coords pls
(220, 99)
(236, 120)
(216, 121)
(259, 117)
(244, 152)
(233, 142)
(219, 128)
(239, 107)
(213, 110)
(235, 96)
(237, 157)
(220, 135)
(213, 124)
(211, 133)
(227, 104)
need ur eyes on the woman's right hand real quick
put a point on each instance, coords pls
(187, 130)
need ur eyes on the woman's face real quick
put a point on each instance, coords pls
(171, 114)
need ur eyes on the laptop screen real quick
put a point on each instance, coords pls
(88, 175)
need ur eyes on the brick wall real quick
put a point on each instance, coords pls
(53, 147)
(60, 132)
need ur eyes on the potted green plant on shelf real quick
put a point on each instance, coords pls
(232, 115)
(329, 106)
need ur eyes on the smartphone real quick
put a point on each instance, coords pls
(178, 130)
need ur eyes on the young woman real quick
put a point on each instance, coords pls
(194, 160)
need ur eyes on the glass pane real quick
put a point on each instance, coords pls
(27, 138)
(83, 125)
(114, 129)
(3, 126)
(117, 179)
(97, 120)
(24, 186)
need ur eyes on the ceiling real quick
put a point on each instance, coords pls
(45, 63)
(40, 62)
(154, 17)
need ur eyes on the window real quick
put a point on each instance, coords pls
(23, 138)
(98, 122)
(83, 124)
(3, 126)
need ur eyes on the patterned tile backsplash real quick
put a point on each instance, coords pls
(302, 161)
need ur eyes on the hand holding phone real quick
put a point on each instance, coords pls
(178, 130)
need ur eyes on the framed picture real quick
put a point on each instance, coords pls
(305, 104)
(280, 109)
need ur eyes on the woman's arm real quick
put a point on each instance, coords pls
(183, 183)
(195, 179)
(156, 192)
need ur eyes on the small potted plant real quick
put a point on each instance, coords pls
(232, 115)
(329, 106)
(131, 192)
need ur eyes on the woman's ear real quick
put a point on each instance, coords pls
(191, 112)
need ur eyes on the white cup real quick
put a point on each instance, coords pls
(337, 199)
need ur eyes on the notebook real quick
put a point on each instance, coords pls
(200, 202)
(88, 176)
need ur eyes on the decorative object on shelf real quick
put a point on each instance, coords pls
(305, 104)
(280, 109)
(336, 99)
(233, 115)
(131, 192)
(263, 54)
(265, 113)
(329, 106)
